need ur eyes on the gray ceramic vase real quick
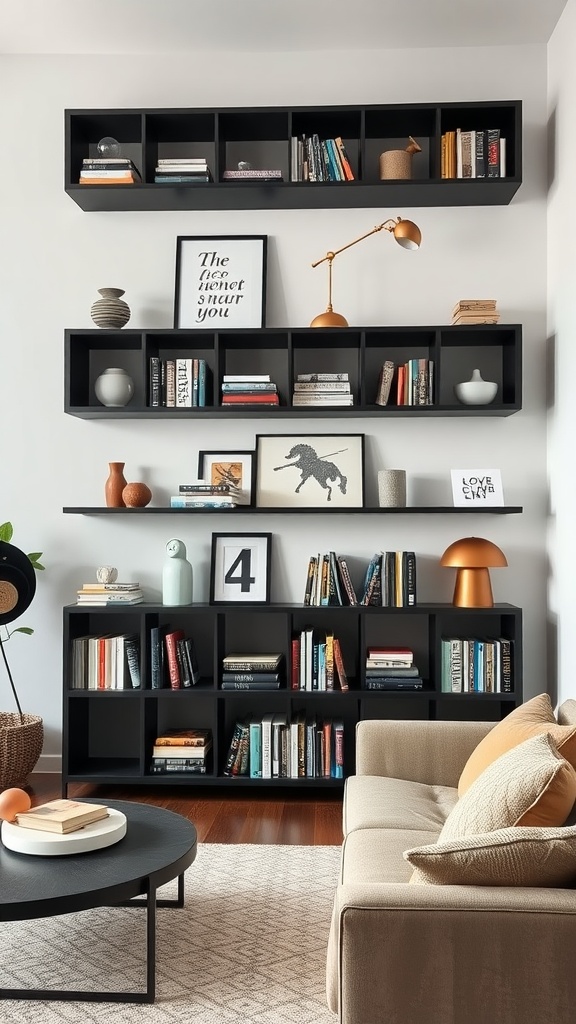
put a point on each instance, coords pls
(110, 312)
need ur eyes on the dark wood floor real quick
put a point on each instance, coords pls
(283, 817)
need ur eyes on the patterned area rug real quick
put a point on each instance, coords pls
(249, 946)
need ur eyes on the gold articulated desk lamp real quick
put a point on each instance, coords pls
(406, 233)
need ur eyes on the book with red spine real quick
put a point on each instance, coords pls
(171, 640)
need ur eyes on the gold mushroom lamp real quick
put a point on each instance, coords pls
(406, 233)
(472, 557)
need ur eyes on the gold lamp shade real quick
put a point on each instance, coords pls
(472, 556)
(406, 233)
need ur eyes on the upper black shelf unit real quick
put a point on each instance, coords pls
(495, 349)
(261, 135)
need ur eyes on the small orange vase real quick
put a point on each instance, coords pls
(114, 486)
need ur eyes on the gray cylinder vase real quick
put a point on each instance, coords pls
(392, 488)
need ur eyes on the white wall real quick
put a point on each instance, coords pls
(53, 258)
(562, 346)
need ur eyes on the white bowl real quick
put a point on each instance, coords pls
(476, 392)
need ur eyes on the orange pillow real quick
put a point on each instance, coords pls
(534, 717)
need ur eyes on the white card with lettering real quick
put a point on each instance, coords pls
(479, 487)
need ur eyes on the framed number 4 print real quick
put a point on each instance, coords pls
(240, 568)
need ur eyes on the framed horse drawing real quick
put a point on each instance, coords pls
(310, 471)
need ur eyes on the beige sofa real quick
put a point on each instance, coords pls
(436, 954)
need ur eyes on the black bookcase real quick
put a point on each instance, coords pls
(262, 135)
(284, 353)
(108, 734)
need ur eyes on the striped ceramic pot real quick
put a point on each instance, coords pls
(110, 311)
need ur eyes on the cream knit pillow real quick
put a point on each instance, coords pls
(509, 856)
(532, 784)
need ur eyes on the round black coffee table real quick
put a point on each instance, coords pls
(158, 846)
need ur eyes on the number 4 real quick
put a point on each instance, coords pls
(243, 562)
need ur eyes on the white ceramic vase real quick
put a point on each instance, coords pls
(476, 391)
(114, 387)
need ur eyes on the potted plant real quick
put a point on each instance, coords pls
(21, 734)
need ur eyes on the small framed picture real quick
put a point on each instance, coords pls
(240, 568)
(220, 281)
(235, 468)
(476, 487)
(310, 470)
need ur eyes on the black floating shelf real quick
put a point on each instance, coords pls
(282, 411)
(97, 510)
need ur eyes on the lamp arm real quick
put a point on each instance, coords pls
(389, 225)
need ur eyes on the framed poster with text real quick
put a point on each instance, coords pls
(220, 281)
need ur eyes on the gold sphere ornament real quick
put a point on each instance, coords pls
(136, 495)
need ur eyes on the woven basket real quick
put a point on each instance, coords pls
(20, 747)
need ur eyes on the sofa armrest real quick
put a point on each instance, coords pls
(430, 752)
(432, 954)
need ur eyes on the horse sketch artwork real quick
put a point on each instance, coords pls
(310, 471)
(315, 467)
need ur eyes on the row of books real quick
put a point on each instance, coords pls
(178, 383)
(316, 159)
(173, 659)
(473, 154)
(249, 389)
(103, 594)
(182, 171)
(262, 671)
(475, 311)
(392, 668)
(328, 581)
(390, 580)
(331, 389)
(476, 665)
(109, 171)
(106, 662)
(181, 751)
(203, 494)
(411, 383)
(275, 747)
(317, 662)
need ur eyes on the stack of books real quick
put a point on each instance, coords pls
(252, 672)
(106, 170)
(316, 159)
(476, 665)
(181, 751)
(182, 171)
(245, 389)
(106, 662)
(274, 747)
(414, 383)
(317, 661)
(203, 494)
(475, 311)
(392, 668)
(390, 580)
(61, 816)
(473, 154)
(328, 581)
(252, 175)
(178, 383)
(109, 593)
(322, 389)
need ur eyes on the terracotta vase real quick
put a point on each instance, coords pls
(114, 486)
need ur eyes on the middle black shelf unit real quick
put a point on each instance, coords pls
(455, 351)
(243, 510)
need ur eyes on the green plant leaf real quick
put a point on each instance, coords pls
(6, 532)
(34, 555)
(23, 629)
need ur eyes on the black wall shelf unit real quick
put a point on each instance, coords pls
(262, 135)
(284, 353)
(108, 734)
(243, 510)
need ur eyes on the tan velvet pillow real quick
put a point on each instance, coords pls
(532, 784)
(530, 719)
(509, 856)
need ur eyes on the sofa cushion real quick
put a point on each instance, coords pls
(534, 717)
(532, 784)
(374, 802)
(508, 856)
(376, 855)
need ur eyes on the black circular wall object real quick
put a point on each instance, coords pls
(17, 582)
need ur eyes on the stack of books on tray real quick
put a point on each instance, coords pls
(252, 672)
(116, 170)
(392, 668)
(245, 389)
(252, 175)
(203, 494)
(62, 816)
(181, 751)
(109, 593)
(475, 311)
(322, 389)
(182, 171)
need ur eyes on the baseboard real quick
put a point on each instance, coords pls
(49, 764)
